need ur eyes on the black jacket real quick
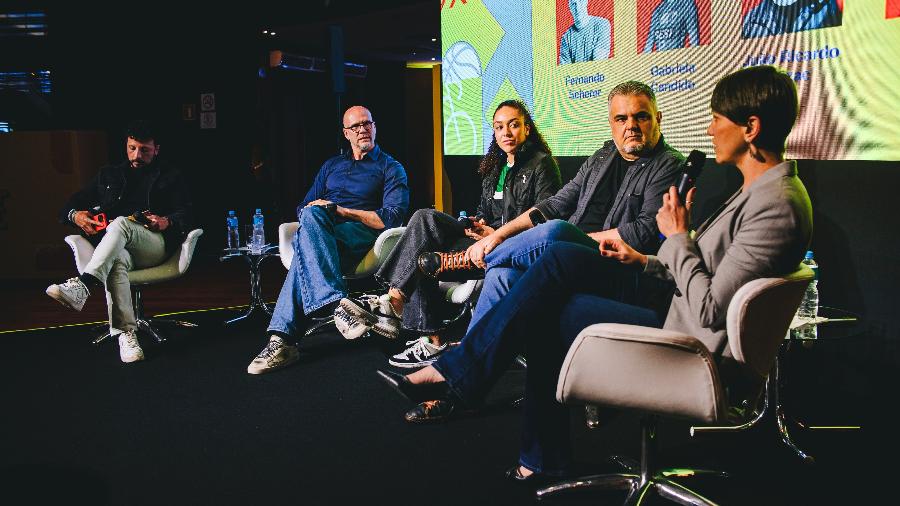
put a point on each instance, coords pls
(637, 200)
(168, 197)
(533, 178)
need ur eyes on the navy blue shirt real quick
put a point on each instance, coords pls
(377, 183)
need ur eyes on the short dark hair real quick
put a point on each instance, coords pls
(761, 91)
(632, 88)
(142, 130)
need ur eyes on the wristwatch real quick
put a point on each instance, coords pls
(537, 217)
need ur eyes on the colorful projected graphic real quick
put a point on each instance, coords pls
(562, 57)
(584, 30)
(672, 24)
(892, 9)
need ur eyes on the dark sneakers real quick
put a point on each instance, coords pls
(454, 266)
(419, 353)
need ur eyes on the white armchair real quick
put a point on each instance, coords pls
(666, 373)
(364, 269)
(173, 268)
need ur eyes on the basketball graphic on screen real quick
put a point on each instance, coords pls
(461, 71)
(460, 62)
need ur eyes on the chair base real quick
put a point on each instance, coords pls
(147, 327)
(319, 324)
(253, 308)
(637, 491)
(639, 479)
(767, 418)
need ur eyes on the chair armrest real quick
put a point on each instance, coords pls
(82, 249)
(386, 241)
(460, 292)
(175, 266)
(642, 368)
(376, 256)
(286, 233)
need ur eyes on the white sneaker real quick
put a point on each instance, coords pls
(419, 354)
(350, 326)
(73, 293)
(129, 348)
(388, 324)
(275, 355)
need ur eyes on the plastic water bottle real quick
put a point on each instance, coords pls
(809, 306)
(259, 233)
(464, 220)
(234, 237)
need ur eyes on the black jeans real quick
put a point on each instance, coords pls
(427, 230)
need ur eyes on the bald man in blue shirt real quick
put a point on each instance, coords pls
(353, 198)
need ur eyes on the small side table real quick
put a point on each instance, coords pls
(253, 261)
(832, 323)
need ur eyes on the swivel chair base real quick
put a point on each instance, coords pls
(146, 325)
(639, 478)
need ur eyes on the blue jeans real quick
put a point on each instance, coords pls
(564, 291)
(507, 263)
(323, 250)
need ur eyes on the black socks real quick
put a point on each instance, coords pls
(90, 281)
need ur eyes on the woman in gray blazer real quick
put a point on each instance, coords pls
(761, 231)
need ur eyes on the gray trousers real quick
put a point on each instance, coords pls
(427, 230)
(126, 246)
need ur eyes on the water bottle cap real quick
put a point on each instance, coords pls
(259, 211)
(809, 255)
(230, 213)
(463, 213)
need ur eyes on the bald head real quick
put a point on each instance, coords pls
(359, 129)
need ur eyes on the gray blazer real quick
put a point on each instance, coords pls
(758, 233)
(638, 199)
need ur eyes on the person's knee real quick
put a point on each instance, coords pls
(119, 224)
(555, 230)
(423, 214)
(312, 215)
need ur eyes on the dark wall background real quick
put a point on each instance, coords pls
(274, 127)
(855, 239)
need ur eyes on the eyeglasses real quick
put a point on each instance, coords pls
(359, 127)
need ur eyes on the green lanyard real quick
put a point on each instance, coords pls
(502, 178)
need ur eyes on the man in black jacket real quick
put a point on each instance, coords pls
(147, 213)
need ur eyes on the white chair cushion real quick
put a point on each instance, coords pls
(175, 266)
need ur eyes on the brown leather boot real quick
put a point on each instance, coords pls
(453, 266)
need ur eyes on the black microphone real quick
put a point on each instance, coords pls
(691, 172)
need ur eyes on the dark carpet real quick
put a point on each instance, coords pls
(189, 426)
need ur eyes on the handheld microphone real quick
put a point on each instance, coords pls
(692, 168)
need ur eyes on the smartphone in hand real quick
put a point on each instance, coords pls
(141, 217)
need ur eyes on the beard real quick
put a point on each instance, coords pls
(366, 146)
(634, 149)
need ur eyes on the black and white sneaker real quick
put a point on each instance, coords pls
(351, 327)
(419, 353)
(377, 311)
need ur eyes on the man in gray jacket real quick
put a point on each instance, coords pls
(615, 195)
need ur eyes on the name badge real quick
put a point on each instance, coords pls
(498, 195)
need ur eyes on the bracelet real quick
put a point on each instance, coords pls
(71, 216)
